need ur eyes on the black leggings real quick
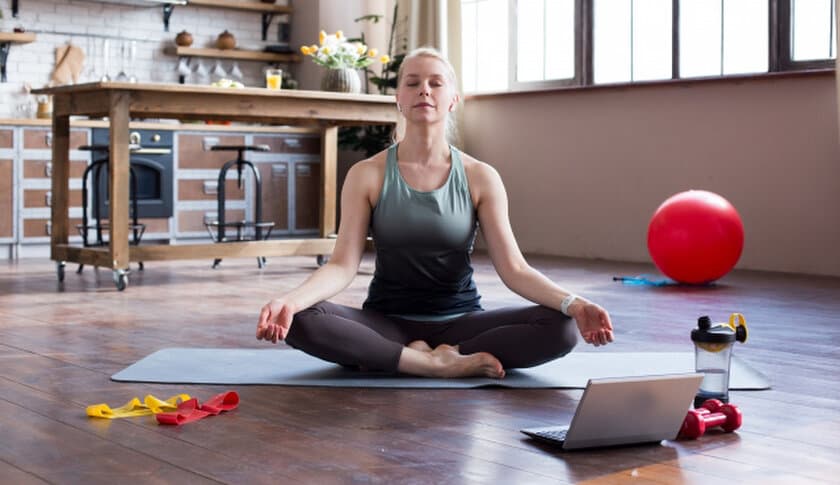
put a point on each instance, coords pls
(519, 337)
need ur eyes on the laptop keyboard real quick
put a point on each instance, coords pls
(553, 434)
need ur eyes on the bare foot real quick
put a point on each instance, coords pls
(420, 345)
(448, 362)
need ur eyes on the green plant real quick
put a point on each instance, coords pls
(375, 138)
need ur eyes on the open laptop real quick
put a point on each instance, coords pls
(626, 410)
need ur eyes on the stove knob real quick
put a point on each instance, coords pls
(156, 137)
(134, 138)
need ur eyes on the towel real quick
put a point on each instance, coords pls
(69, 61)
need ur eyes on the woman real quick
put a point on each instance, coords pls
(422, 200)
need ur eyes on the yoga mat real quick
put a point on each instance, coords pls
(294, 368)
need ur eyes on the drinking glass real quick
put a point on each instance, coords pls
(273, 78)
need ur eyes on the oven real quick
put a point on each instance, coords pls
(152, 163)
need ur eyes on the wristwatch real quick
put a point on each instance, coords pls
(564, 305)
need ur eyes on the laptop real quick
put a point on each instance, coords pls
(625, 410)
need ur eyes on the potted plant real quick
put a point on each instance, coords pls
(342, 58)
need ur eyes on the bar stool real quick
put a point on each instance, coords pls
(94, 173)
(256, 230)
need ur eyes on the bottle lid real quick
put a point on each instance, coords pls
(708, 333)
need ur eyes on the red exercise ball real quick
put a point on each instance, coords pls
(695, 237)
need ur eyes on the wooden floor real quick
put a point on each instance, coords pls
(60, 343)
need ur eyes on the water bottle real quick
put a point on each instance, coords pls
(713, 354)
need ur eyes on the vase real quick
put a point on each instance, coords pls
(343, 80)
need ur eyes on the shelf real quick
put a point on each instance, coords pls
(242, 5)
(268, 10)
(6, 41)
(237, 54)
(15, 38)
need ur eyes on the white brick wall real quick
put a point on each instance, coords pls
(33, 63)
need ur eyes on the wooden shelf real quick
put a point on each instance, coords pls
(242, 5)
(6, 41)
(238, 54)
(268, 10)
(15, 38)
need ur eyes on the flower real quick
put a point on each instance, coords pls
(335, 51)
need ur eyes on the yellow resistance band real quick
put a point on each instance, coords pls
(150, 405)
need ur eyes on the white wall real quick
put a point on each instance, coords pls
(585, 169)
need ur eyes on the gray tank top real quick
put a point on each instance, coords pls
(423, 244)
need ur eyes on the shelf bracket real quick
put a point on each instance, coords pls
(168, 8)
(267, 17)
(4, 54)
(14, 8)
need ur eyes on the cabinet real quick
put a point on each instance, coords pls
(289, 175)
(7, 203)
(7, 174)
(35, 191)
(294, 162)
(198, 169)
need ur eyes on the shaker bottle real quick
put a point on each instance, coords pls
(713, 355)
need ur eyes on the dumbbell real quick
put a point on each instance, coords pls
(710, 414)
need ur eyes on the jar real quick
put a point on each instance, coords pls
(184, 39)
(226, 40)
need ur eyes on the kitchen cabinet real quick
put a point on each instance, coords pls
(7, 138)
(289, 173)
(292, 176)
(275, 194)
(7, 174)
(307, 192)
(7, 202)
(198, 178)
(289, 178)
(35, 192)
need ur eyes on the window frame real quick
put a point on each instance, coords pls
(784, 54)
(582, 27)
(779, 49)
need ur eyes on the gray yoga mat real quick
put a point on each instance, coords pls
(294, 368)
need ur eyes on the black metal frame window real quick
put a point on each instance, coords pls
(512, 45)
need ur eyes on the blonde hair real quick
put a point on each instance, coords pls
(451, 123)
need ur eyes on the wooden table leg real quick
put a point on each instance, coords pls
(329, 157)
(118, 182)
(60, 180)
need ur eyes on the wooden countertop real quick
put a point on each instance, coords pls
(202, 89)
(316, 109)
(151, 125)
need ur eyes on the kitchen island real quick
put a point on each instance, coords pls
(121, 102)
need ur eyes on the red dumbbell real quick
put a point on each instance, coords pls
(710, 414)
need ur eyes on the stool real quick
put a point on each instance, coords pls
(261, 229)
(94, 173)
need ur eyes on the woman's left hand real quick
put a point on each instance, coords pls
(592, 321)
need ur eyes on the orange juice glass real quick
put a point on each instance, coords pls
(273, 78)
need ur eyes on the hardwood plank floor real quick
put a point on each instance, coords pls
(59, 343)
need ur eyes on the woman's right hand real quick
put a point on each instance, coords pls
(275, 320)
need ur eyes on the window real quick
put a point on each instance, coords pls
(545, 40)
(727, 37)
(813, 30)
(484, 35)
(527, 44)
(632, 40)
